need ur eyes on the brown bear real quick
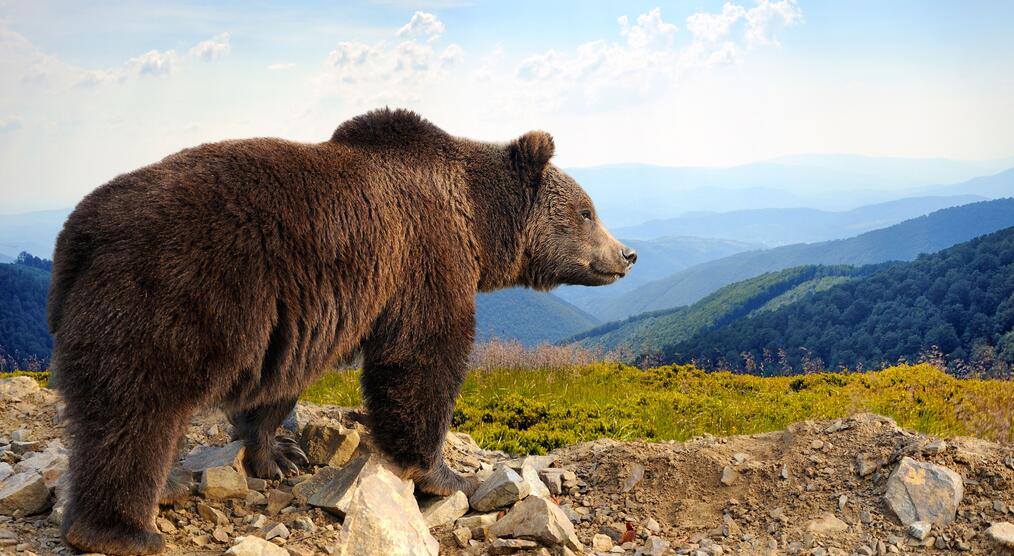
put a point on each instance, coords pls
(232, 274)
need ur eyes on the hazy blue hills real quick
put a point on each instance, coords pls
(528, 316)
(958, 302)
(34, 232)
(657, 258)
(782, 226)
(904, 241)
(648, 333)
(629, 194)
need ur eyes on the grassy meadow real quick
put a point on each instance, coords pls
(534, 411)
(560, 399)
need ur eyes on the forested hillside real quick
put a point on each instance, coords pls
(24, 337)
(646, 334)
(527, 316)
(959, 302)
(904, 241)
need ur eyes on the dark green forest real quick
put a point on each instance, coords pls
(24, 337)
(955, 306)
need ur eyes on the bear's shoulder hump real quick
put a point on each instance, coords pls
(387, 127)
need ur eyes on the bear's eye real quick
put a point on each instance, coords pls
(586, 214)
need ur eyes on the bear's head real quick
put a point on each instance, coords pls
(565, 242)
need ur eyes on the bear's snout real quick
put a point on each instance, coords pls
(629, 255)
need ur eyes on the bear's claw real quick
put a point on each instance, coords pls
(281, 460)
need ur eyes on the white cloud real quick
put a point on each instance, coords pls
(281, 67)
(367, 75)
(422, 24)
(213, 48)
(152, 62)
(649, 60)
(768, 15)
(649, 32)
(711, 27)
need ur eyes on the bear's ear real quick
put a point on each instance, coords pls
(530, 153)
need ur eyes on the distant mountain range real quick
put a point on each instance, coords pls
(629, 194)
(958, 302)
(34, 232)
(783, 226)
(904, 241)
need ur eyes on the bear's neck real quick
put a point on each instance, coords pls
(499, 226)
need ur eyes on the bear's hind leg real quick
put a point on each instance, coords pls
(118, 469)
(410, 404)
(267, 456)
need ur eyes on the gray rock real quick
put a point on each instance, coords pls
(539, 519)
(657, 546)
(503, 488)
(273, 530)
(441, 511)
(553, 479)
(5, 470)
(477, 524)
(729, 476)
(461, 536)
(327, 442)
(538, 463)
(278, 499)
(335, 494)
(383, 518)
(602, 543)
(254, 546)
(202, 458)
(827, 524)
(919, 530)
(867, 463)
(25, 492)
(50, 463)
(21, 448)
(919, 491)
(211, 514)
(634, 476)
(1001, 533)
(223, 482)
(535, 485)
(510, 546)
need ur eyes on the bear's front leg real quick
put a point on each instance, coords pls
(409, 394)
(267, 456)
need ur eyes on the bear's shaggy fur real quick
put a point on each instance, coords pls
(232, 274)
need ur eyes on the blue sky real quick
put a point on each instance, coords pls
(89, 92)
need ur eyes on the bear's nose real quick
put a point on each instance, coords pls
(628, 255)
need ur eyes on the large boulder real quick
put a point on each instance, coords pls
(202, 458)
(383, 518)
(25, 492)
(503, 488)
(335, 492)
(538, 519)
(441, 511)
(920, 491)
(327, 442)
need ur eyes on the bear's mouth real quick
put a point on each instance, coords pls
(613, 275)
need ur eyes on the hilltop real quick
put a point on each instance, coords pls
(901, 242)
(647, 333)
(959, 301)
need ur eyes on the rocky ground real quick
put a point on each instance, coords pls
(859, 485)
